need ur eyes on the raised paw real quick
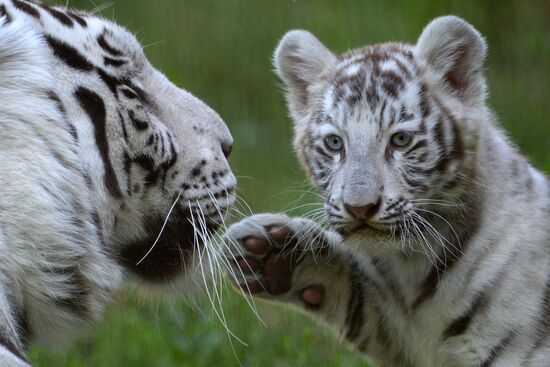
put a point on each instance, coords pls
(270, 253)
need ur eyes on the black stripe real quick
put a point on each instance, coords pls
(77, 299)
(424, 101)
(439, 135)
(166, 165)
(373, 98)
(458, 146)
(392, 83)
(357, 94)
(95, 108)
(422, 127)
(390, 281)
(138, 124)
(99, 228)
(393, 117)
(27, 8)
(129, 93)
(8, 342)
(419, 144)
(111, 81)
(113, 62)
(56, 154)
(403, 68)
(60, 16)
(23, 325)
(69, 54)
(498, 349)
(162, 148)
(148, 164)
(383, 110)
(140, 92)
(543, 329)
(460, 325)
(465, 231)
(422, 158)
(128, 170)
(55, 98)
(404, 115)
(443, 160)
(394, 204)
(4, 13)
(107, 47)
(355, 313)
(150, 139)
(155, 141)
(78, 18)
(428, 288)
(61, 108)
(457, 150)
(322, 152)
(123, 125)
(417, 171)
(414, 185)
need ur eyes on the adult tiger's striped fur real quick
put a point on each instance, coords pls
(440, 248)
(96, 148)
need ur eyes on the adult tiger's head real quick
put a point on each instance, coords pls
(386, 130)
(154, 155)
(175, 182)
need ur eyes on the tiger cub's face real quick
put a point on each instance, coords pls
(385, 130)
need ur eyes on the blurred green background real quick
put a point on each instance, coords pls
(220, 51)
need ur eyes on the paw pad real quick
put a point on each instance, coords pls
(267, 255)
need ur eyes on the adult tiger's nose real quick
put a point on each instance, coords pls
(365, 212)
(227, 148)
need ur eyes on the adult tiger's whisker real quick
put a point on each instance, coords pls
(161, 229)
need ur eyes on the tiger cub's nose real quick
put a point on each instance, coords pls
(365, 212)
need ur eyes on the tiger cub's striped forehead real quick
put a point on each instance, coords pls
(380, 81)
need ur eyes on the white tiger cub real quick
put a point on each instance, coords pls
(439, 247)
(97, 149)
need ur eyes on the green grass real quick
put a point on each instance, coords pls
(220, 51)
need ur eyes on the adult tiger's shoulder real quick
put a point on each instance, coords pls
(98, 153)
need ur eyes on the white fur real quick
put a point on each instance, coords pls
(507, 258)
(40, 241)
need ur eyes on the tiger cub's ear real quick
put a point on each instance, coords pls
(455, 51)
(300, 60)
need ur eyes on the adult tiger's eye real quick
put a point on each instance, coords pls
(401, 139)
(334, 143)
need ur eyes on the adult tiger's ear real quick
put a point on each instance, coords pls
(455, 51)
(300, 61)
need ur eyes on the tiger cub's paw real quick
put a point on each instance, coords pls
(275, 257)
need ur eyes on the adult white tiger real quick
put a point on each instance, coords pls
(96, 147)
(441, 249)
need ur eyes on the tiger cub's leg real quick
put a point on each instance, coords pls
(294, 260)
(284, 259)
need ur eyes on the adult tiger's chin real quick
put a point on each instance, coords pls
(168, 247)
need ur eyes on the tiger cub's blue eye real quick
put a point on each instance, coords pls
(401, 139)
(334, 143)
